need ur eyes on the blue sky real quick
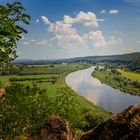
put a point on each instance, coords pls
(73, 28)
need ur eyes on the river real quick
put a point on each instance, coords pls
(100, 94)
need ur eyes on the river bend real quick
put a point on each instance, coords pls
(100, 94)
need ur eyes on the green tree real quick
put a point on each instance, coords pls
(12, 16)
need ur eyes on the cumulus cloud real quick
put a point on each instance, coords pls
(19, 53)
(40, 42)
(45, 20)
(66, 36)
(94, 39)
(114, 11)
(114, 41)
(100, 20)
(91, 39)
(37, 21)
(87, 19)
(103, 12)
(26, 43)
(59, 27)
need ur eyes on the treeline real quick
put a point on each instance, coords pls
(31, 70)
(38, 80)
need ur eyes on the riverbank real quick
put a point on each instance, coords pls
(118, 81)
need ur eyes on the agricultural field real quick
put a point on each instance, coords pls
(47, 77)
(31, 99)
(130, 75)
(127, 82)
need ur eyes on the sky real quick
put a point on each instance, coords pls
(75, 28)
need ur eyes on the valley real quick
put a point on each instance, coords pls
(32, 97)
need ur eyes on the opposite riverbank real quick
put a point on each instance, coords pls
(120, 80)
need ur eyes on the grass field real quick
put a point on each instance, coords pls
(58, 72)
(130, 75)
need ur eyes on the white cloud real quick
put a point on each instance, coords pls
(114, 41)
(66, 36)
(94, 39)
(19, 53)
(22, 37)
(87, 19)
(37, 21)
(42, 42)
(59, 27)
(32, 42)
(26, 43)
(45, 20)
(100, 20)
(114, 11)
(103, 12)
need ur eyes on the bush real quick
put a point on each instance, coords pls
(136, 84)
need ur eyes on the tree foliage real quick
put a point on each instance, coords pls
(12, 18)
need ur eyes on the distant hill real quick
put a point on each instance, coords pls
(131, 60)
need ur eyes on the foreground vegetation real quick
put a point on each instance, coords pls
(128, 82)
(31, 99)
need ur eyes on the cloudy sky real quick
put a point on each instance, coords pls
(73, 28)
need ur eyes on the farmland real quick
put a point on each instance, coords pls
(130, 75)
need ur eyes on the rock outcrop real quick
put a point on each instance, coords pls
(55, 129)
(123, 126)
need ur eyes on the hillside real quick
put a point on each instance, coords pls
(123, 126)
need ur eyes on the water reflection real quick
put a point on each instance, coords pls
(100, 94)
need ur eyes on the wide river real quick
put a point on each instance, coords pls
(100, 94)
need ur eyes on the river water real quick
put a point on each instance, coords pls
(100, 94)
